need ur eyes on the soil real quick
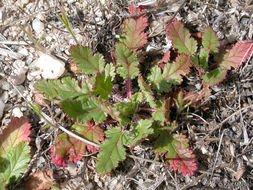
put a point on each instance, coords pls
(220, 132)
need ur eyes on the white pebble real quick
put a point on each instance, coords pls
(18, 64)
(23, 51)
(2, 105)
(5, 85)
(16, 112)
(37, 25)
(5, 96)
(50, 67)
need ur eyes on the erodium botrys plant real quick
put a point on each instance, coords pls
(145, 113)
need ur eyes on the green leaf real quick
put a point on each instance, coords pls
(139, 132)
(201, 61)
(84, 111)
(146, 90)
(172, 73)
(1, 185)
(203, 58)
(176, 148)
(162, 111)
(67, 88)
(110, 71)
(134, 36)
(18, 159)
(127, 62)
(210, 40)
(88, 63)
(126, 109)
(215, 76)
(16, 132)
(181, 38)
(103, 86)
(239, 53)
(112, 151)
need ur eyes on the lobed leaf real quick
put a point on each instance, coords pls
(16, 132)
(172, 73)
(67, 88)
(127, 62)
(166, 57)
(134, 36)
(139, 132)
(103, 86)
(162, 112)
(112, 151)
(87, 62)
(110, 71)
(15, 163)
(215, 76)
(210, 40)
(85, 110)
(238, 54)
(177, 151)
(181, 38)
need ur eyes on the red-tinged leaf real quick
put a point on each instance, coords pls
(184, 162)
(16, 132)
(210, 40)
(215, 76)
(73, 148)
(176, 148)
(172, 74)
(133, 10)
(134, 36)
(239, 53)
(87, 62)
(181, 38)
(166, 57)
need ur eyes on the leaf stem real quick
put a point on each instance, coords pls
(106, 122)
(129, 88)
(148, 109)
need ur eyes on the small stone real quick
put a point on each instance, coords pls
(19, 77)
(2, 105)
(18, 64)
(16, 112)
(37, 25)
(23, 51)
(5, 85)
(1, 16)
(24, 2)
(34, 75)
(5, 96)
(50, 67)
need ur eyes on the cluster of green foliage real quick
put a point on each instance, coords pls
(134, 117)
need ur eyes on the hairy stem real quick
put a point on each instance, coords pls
(148, 109)
(129, 88)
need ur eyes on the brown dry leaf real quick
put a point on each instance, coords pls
(239, 173)
(40, 99)
(202, 96)
(40, 180)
